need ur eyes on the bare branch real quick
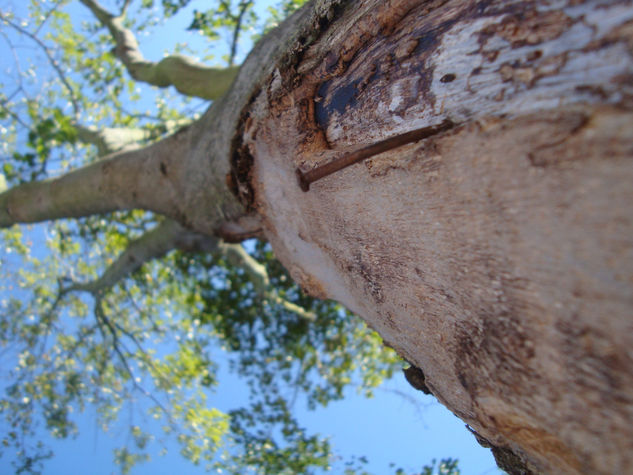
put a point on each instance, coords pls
(154, 244)
(15, 116)
(291, 307)
(237, 256)
(124, 8)
(170, 235)
(243, 7)
(6, 100)
(187, 76)
(44, 20)
(116, 139)
(105, 323)
(124, 180)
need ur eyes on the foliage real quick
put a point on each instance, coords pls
(226, 16)
(148, 346)
(445, 467)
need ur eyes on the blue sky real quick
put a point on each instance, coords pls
(399, 424)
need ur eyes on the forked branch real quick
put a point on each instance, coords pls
(168, 236)
(154, 244)
(186, 75)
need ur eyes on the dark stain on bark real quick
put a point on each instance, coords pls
(510, 462)
(415, 377)
(239, 181)
(369, 70)
(594, 363)
(343, 97)
(427, 41)
(507, 460)
(241, 158)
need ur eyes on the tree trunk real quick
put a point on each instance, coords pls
(497, 254)
(490, 242)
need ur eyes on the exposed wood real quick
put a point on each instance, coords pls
(497, 257)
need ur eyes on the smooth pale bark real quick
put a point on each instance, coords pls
(110, 140)
(186, 75)
(498, 256)
(147, 178)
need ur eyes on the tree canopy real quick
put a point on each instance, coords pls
(112, 308)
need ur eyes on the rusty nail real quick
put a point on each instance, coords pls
(306, 178)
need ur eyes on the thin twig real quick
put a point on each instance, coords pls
(100, 315)
(49, 13)
(16, 60)
(15, 116)
(52, 61)
(243, 6)
(124, 8)
(138, 308)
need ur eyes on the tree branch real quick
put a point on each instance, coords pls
(109, 140)
(243, 7)
(15, 116)
(148, 178)
(155, 243)
(170, 235)
(116, 139)
(187, 76)
(237, 256)
(291, 307)
(48, 15)
(104, 323)
(124, 8)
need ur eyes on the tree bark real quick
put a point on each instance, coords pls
(187, 176)
(496, 256)
(186, 75)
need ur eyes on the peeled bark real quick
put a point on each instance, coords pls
(497, 256)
